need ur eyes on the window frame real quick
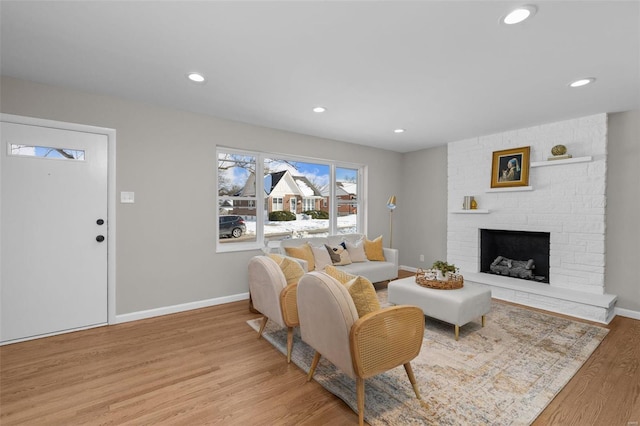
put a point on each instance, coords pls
(261, 199)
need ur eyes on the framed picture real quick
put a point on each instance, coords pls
(510, 168)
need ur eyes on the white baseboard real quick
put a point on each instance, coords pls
(408, 268)
(627, 313)
(166, 310)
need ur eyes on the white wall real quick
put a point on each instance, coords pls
(166, 240)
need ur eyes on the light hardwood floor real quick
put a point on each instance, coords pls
(207, 367)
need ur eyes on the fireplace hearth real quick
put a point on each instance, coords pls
(517, 254)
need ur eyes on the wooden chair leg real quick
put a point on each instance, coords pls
(412, 379)
(289, 343)
(360, 398)
(262, 326)
(314, 364)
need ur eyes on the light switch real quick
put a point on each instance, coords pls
(127, 197)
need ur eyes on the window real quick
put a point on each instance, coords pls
(308, 204)
(325, 191)
(237, 197)
(46, 152)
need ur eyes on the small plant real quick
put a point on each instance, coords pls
(444, 267)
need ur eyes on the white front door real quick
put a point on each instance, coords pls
(53, 227)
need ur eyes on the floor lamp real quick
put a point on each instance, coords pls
(391, 205)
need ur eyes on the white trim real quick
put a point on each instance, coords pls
(111, 192)
(166, 310)
(628, 313)
(55, 333)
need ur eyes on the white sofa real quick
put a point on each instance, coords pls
(374, 271)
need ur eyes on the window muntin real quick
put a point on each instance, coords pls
(297, 185)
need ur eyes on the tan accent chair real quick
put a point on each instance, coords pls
(272, 297)
(359, 347)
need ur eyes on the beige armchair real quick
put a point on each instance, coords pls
(272, 297)
(359, 347)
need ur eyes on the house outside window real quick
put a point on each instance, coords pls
(288, 183)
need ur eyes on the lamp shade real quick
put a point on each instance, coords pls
(391, 204)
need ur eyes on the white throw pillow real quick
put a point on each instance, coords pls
(321, 257)
(356, 251)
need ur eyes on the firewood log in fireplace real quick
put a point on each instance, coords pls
(513, 268)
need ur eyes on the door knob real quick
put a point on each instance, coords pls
(100, 238)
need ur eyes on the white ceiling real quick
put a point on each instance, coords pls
(444, 70)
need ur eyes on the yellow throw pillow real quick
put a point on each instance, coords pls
(302, 252)
(276, 257)
(339, 275)
(292, 270)
(373, 249)
(364, 295)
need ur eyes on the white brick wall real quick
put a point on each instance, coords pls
(567, 200)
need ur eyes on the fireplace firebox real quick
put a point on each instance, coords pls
(501, 251)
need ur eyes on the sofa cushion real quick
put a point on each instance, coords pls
(291, 269)
(373, 249)
(302, 252)
(364, 295)
(356, 251)
(321, 256)
(361, 290)
(339, 254)
(374, 271)
(339, 274)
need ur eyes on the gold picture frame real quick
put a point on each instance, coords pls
(510, 167)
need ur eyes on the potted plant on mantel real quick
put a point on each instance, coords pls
(443, 269)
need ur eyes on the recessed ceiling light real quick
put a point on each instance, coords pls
(319, 109)
(582, 82)
(196, 77)
(520, 14)
(399, 131)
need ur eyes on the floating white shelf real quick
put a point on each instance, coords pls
(471, 211)
(559, 162)
(510, 189)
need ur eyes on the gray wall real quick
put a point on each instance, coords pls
(166, 240)
(422, 208)
(623, 209)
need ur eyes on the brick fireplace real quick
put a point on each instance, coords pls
(565, 199)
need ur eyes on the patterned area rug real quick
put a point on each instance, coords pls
(503, 374)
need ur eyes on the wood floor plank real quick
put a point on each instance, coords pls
(207, 367)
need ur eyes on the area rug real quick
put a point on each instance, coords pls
(503, 374)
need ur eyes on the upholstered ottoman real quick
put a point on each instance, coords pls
(456, 307)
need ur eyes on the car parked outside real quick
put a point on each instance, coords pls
(231, 226)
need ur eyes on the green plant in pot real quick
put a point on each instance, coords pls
(444, 268)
